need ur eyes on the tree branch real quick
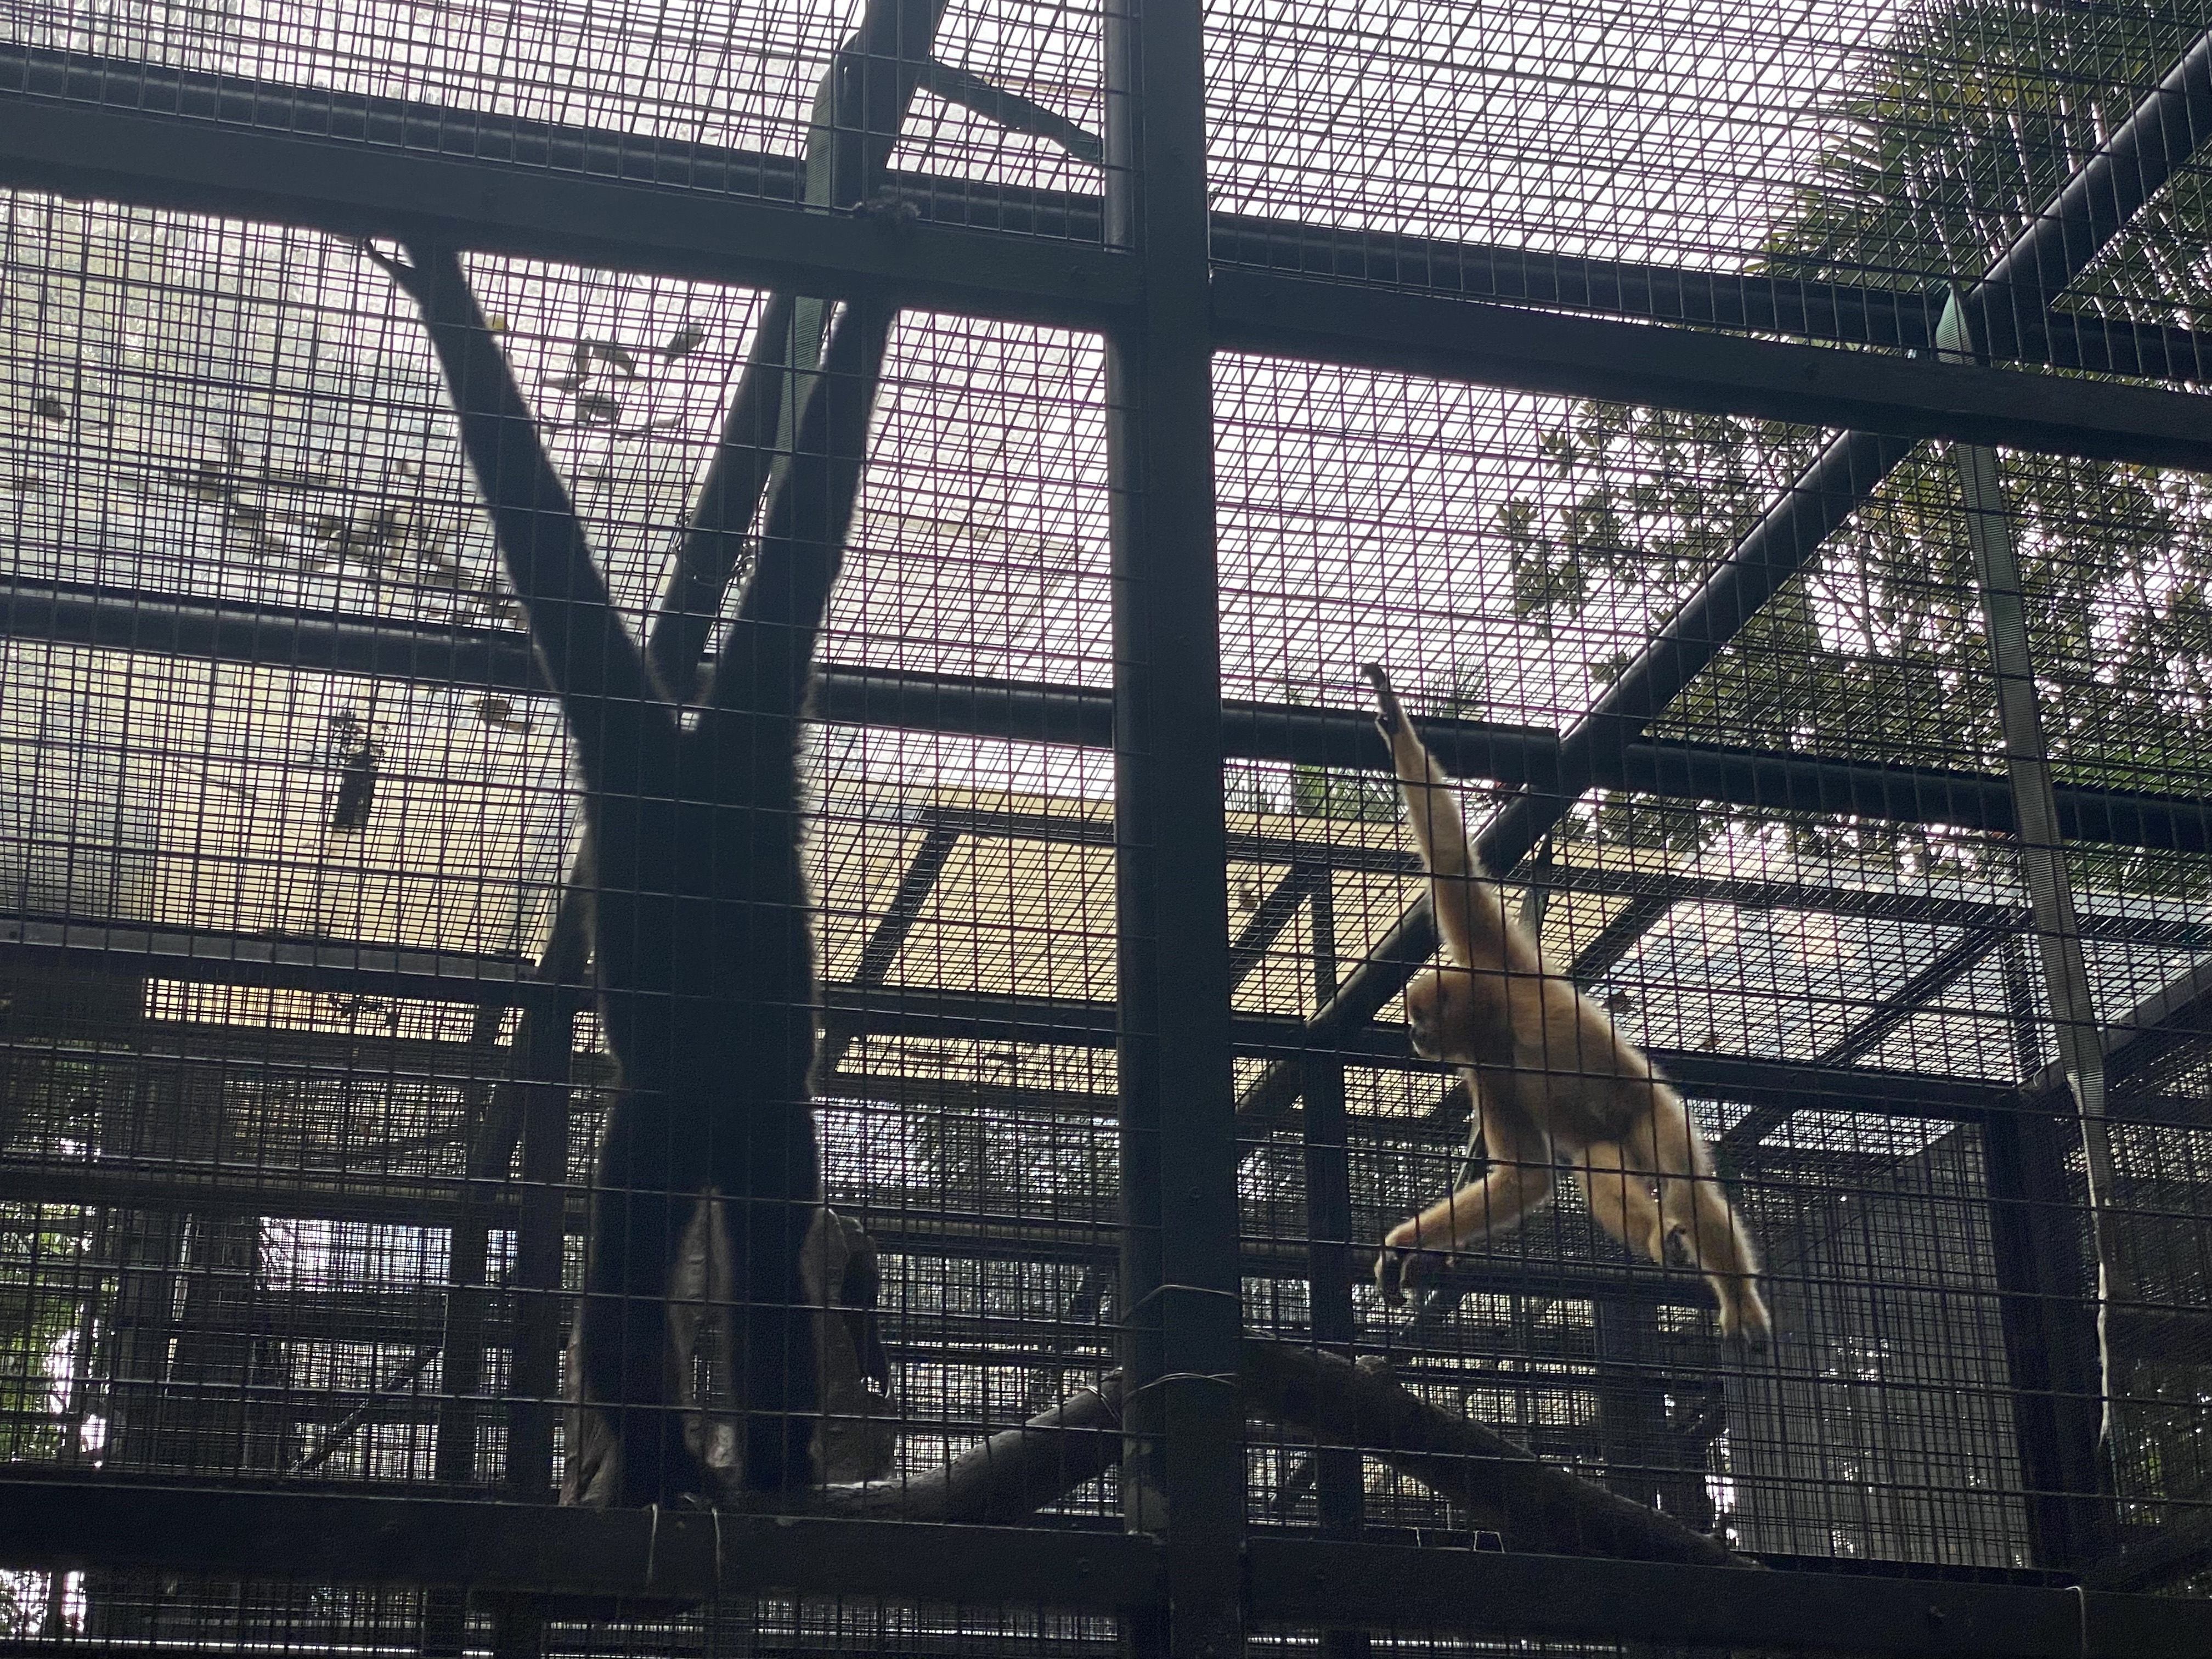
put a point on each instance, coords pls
(769, 649)
(589, 658)
(1013, 1473)
(1501, 1485)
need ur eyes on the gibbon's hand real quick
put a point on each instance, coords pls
(1392, 718)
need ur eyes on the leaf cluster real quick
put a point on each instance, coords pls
(1944, 144)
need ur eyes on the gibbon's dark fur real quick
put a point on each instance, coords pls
(1550, 1078)
(700, 931)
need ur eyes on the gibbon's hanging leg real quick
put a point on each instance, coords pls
(700, 921)
(1621, 1199)
(1516, 1183)
(1552, 1077)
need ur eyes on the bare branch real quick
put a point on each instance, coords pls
(607, 691)
(769, 649)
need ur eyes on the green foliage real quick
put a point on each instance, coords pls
(1347, 797)
(45, 1254)
(42, 1251)
(1946, 141)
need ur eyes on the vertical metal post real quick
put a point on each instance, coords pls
(1340, 1488)
(2050, 1341)
(1183, 1475)
(536, 1303)
(2025, 1167)
(2035, 825)
(540, 1236)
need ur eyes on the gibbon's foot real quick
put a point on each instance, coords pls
(599, 1476)
(1744, 1317)
(1400, 1269)
(1392, 716)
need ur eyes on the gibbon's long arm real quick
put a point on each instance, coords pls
(1470, 914)
(612, 702)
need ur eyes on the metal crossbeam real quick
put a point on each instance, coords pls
(1948, 966)
(1621, 935)
(356, 190)
(888, 937)
(220, 957)
(1274, 913)
(124, 619)
(361, 1538)
(1839, 312)
(1573, 356)
(686, 230)
(530, 164)
(212, 957)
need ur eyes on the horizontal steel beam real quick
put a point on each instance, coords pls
(1761, 780)
(898, 1223)
(227, 630)
(352, 189)
(210, 957)
(1000, 1017)
(1780, 1086)
(1567, 1598)
(1832, 312)
(356, 189)
(1840, 312)
(688, 1555)
(693, 1556)
(1723, 374)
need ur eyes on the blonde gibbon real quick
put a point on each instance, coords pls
(1551, 1079)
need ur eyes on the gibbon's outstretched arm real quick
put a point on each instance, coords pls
(1550, 1080)
(701, 929)
(1468, 903)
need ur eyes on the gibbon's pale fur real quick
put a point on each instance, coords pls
(1551, 1079)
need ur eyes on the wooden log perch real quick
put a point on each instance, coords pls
(1013, 1473)
(1503, 1486)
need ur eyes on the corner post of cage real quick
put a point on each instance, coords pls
(1183, 1470)
(1327, 1148)
(2050, 1338)
(537, 1306)
(1340, 1487)
(2040, 854)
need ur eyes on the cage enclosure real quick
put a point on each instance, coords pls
(707, 940)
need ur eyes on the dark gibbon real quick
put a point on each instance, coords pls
(700, 931)
(1551, 1080)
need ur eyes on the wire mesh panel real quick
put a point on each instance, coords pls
(1822, 172)
(914, 828)
(686, 95)
(1848, 1002)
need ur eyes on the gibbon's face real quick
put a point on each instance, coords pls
(1439, 1005)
